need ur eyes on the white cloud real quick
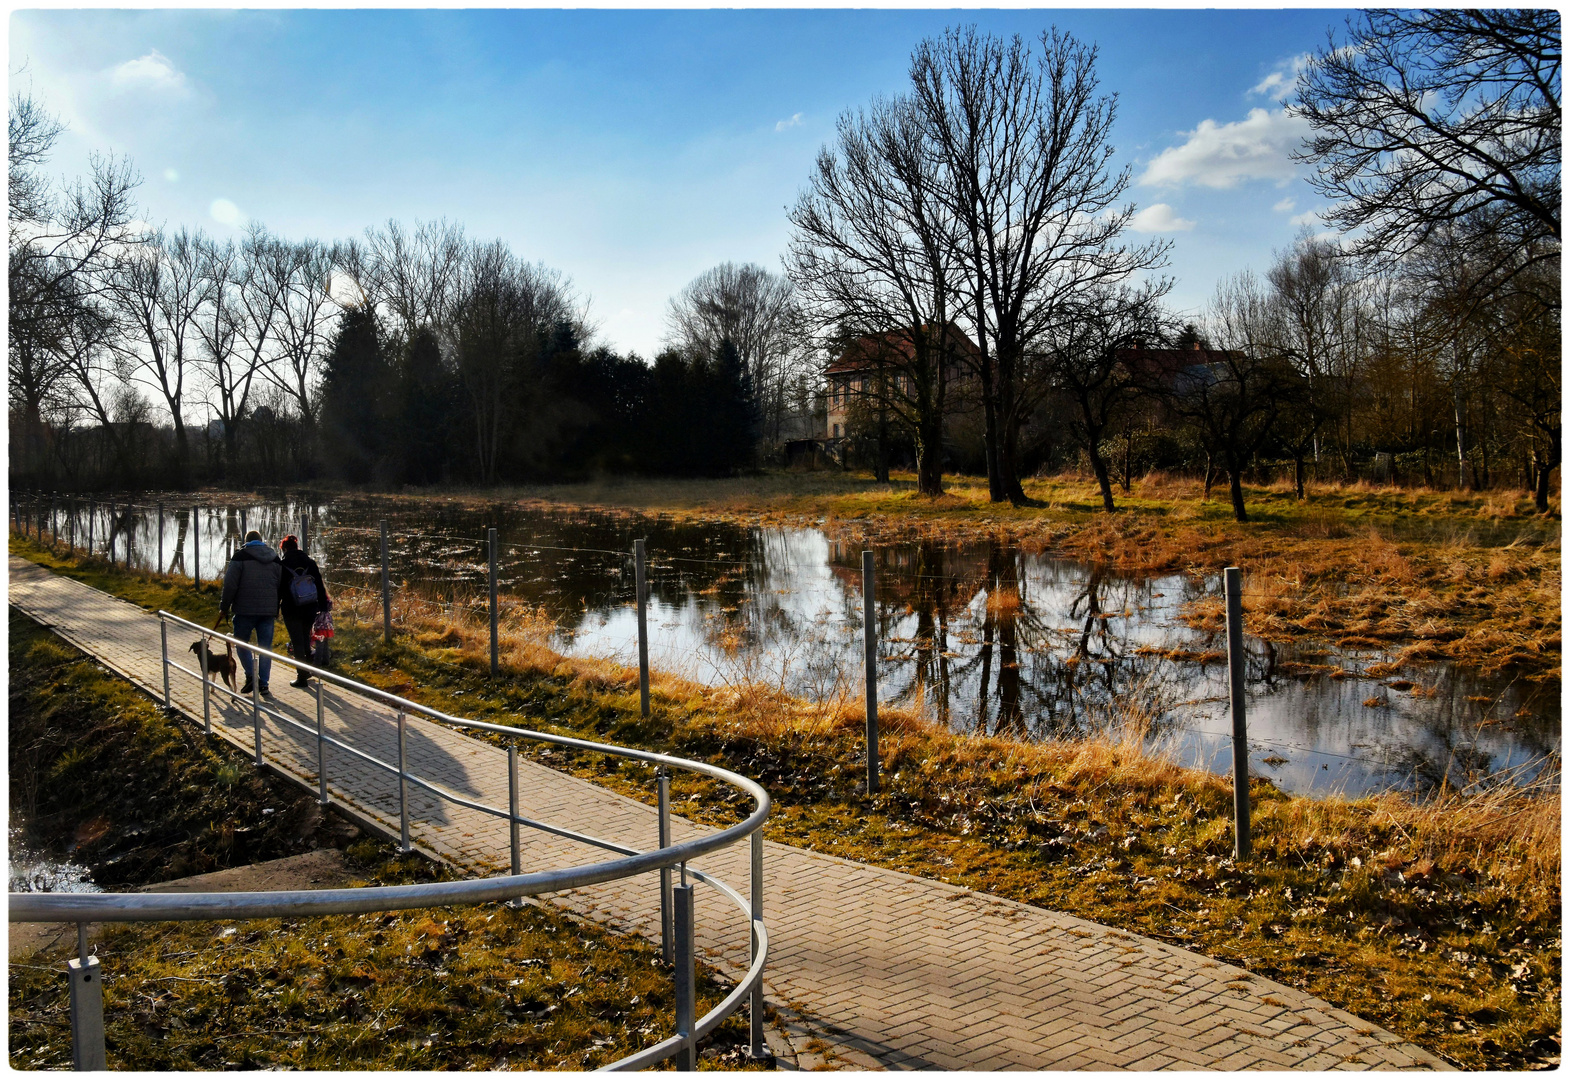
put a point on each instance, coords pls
(226, 213)
(1285, 206)
(1159, 218)
(172, 175)
(151, 73)
(1308, 217)
(1280, 83)
(794, 121)
(1223, 155)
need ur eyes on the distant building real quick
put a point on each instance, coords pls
(889, 356)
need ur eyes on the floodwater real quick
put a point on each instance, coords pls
(982, 637)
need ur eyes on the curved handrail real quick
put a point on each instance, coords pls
(149, 907)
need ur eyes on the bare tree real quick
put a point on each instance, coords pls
(63, 246)
(1090, 363)
(1423, 118)
(306, 314)
(755, 311)
(218, 320)
(158, 290)
(412, 277)
(873, 256)
(1023, 144)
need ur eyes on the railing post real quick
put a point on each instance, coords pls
(160, 566)
(256, 701)
(662, 779)
(686, 979)
(92, 526)
(403, 784)
(87, 1008)
(870, 645)
(1234, 593)
(386, 589)
(196, 547)
(512, 804)
(490, 537)
(321, 749)
(639, 557)
(70, 525)
(163, 645)
(207, 707)
(759, 1048)
(54, 522)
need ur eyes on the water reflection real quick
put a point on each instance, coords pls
(981, 637)
(33, 871)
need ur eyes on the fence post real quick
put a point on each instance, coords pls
(70, 526)
(92, 526)
(87, 1008)
(321, 750)
(109, 524)
(163, 644)
(54, 522)
(403, 787)
(662, 778)
(196, 546)
(686, 982)
(160, 566)
(207, 708)
(256, 701)
(386, 589)
(759, 1048)
(640, 582)
(870, 646)
(512, 803)
(490, 537)
(305, 532)
(1235, 657)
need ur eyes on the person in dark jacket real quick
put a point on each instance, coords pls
(302, 595)
(251, 592)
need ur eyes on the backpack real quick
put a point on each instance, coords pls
(302, 590)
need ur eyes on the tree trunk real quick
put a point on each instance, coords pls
(1098, 466)
(1210, 474)
(1235, 475)
(929, 455)
(989, 436)
(1540, 498)
(1297, 473)
(1008, 464)
(1128, 463)
(881, 466)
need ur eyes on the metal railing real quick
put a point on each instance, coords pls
(676, 902)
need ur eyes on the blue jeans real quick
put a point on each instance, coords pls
(263, 625)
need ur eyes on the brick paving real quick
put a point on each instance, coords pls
(891, 970)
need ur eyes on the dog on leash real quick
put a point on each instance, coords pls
(224, 665)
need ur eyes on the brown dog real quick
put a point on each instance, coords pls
(222, 665)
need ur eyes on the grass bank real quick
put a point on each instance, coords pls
(1472, 577)
(1438, 919)
(99, 772)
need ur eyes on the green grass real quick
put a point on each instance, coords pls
(141, 797)
(1438, 920)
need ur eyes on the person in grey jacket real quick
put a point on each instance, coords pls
(251, 592)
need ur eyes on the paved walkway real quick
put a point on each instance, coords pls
(894, 971)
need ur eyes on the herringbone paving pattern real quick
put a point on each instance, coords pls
(896, 971)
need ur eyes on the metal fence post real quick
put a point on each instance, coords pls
(662, 780)
(207, 707)
(92, 526)
(686, 978)
(321, 749)
(403, 787)
(512, 804)
(759, 1048)
(160, 566)
(87, 1009)
(490, 537)
(640, 581)
(109, 525)
(386, 589)
(196, 547)
(870, 645)
(163, 644)
(70, 525)
(54, 522)
(1235, 657)
(256, 701)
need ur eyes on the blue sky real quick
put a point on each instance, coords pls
(630, 149)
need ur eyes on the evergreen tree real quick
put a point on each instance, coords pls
(428, 407)
(357, 390)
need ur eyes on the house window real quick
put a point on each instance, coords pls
(836, 431)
